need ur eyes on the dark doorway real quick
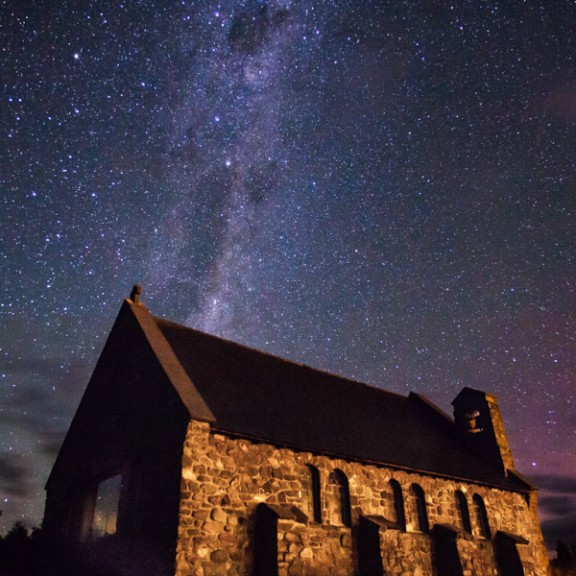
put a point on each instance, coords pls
(369, 556)
(507, 555)
(265, 541)
(445, 557)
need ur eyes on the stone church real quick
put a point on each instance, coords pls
(195, 456)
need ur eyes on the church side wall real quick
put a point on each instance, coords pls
(224, 480)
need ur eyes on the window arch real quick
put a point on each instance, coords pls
(343, 494)
(420, 514)
(463, 511)
(314, 492)
(481, 516)
(398, 497)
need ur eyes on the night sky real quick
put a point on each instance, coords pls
(383, 190)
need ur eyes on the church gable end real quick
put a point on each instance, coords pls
(117, 475)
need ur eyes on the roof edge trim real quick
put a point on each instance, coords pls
(191, 398)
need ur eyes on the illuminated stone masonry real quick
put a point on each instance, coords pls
(228, 482)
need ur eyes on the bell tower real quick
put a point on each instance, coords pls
(477, 415)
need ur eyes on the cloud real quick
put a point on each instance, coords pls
(40, 395)
(555, 530)
(557, 506)
(558, 483)
(13, 476)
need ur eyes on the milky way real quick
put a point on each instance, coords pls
(382, 190)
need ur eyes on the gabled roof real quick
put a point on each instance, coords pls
(248, 393)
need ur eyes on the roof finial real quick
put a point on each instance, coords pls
(135, 294)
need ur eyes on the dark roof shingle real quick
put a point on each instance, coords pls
(263, 397)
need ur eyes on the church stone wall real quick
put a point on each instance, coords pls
(225, 479)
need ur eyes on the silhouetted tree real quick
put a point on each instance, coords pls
(564, 558)
(565, 562)
(24, 553)
(16, 554)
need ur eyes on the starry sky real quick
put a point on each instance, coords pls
(384, 190)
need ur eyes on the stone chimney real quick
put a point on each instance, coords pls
(477, 415)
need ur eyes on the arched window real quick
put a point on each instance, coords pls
(314, 493)
(343, 492)
(399, 513)
(463, 512)
(418, 502)
(481, 517)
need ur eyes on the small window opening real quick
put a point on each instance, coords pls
(398, 504)
(420, 513)
(343, 496)
(463, 511)
(481, 517)
(315, 493)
